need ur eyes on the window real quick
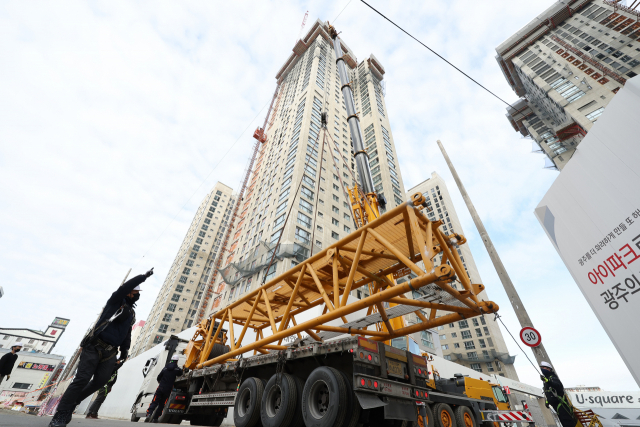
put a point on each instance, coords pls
(306, 206)
(302, 235)
(427, 339)
(490, 366)
(175, 298)
(469, 345)
(482, 344)
(335, 235)
(445, 346)
(490, 342)
(163, 328)
(334, 221)
(486, 330)
(167, 317)
(347, 229)
(454, 335)
(456, 345)
(183, 279)
(593, 116)
(466, 335)
(485, 354)
(474, 320)
(478, 332)
(158, 339)
(443, 337)
(22, 386)
(463, 324)
(171, 308)
(447, 357)
(335, 198)
(179, 288)
(307, 193)
(472, 355)
(304, 220)
(272, 272)
(476, 367)
(335, 209)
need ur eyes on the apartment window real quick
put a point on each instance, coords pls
(183, 279)
(456, 345)
(319, 227)
(304, 220)
(454, 335)
(335, 235)
(476, 367)
(158, 339)
(171, 308)
(486, 330)
(443, 337)
(307, 193)
(179, 288)
(466, 335)
(469, 345)
(447, 357)
(482, 344)
(306, 206)
(272, 272)
(427, 339)
(593, 116)
(167, 317)
(485, 354)
(445, 346)
(335, 198)
(335, 209)
(346, 229)
(175, 298)
(463, 324)
(489, 366)
(474, 320)
(482, 320)
(334, 221)
(490, 342)
(451, 325)
(478, 332)
(163, 328)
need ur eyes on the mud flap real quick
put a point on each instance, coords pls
(369, 401)
(397, 409)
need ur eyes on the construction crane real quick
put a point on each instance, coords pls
(260, 136)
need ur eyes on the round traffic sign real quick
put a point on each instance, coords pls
(530, 336)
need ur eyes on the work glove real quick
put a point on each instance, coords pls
(123, 356)
(543, 378)
(546, 404)
(149, 273)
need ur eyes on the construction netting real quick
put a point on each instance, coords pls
(483, 356)
(260, 259)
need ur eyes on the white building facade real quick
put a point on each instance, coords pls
(34, 340)
(297, 154)
(177, 302)
(566, 65)
(476, 343)
(30, 372)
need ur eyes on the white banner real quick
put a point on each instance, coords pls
(605, 399)
(591, 214)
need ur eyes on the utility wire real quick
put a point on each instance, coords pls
(434, 52)
(345, 6)
(517, 343)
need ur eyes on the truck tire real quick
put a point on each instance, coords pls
(443, 416)
(279, 401)
(246, 409)
(429, 421)
(324, 399)
(218, 350)
(134, 419)
(353, 407)
(464, 417)
(298, 420)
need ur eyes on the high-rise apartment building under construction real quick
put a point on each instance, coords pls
(297, 154)
(566, 65)
(179, 298)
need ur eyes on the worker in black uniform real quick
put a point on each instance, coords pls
(102, 393)
(8, 360)
(99, 347)
(555, 397)
(166, 378)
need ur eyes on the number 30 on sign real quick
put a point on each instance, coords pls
(530, 337)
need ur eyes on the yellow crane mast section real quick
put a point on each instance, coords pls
(395, 240)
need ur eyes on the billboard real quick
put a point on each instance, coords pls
(591, 214)
(59, 321)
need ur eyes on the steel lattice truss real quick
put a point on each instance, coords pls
(398, 239)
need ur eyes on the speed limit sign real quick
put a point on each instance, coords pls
(530, 336)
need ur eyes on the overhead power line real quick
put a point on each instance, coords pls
(434, 52)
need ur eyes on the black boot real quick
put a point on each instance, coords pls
(60, 419)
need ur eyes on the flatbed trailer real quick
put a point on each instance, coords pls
(345, 382)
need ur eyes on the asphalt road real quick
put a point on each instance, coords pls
(14, 419)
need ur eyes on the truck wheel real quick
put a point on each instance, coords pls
(298, 420)
(353, 406)
(279, 401)
(134, 419)
(246, 409)
(464, 417)
(324, 399)
(443, 416)
(218, 350)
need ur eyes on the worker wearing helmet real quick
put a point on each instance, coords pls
(8, 360)
(555, 397)
(166, 378)
(112, 332)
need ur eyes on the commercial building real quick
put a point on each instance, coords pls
(181, 293)
(34, 340)
(298, 154)
(31, 372)
(566, 65)
(476, 343)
